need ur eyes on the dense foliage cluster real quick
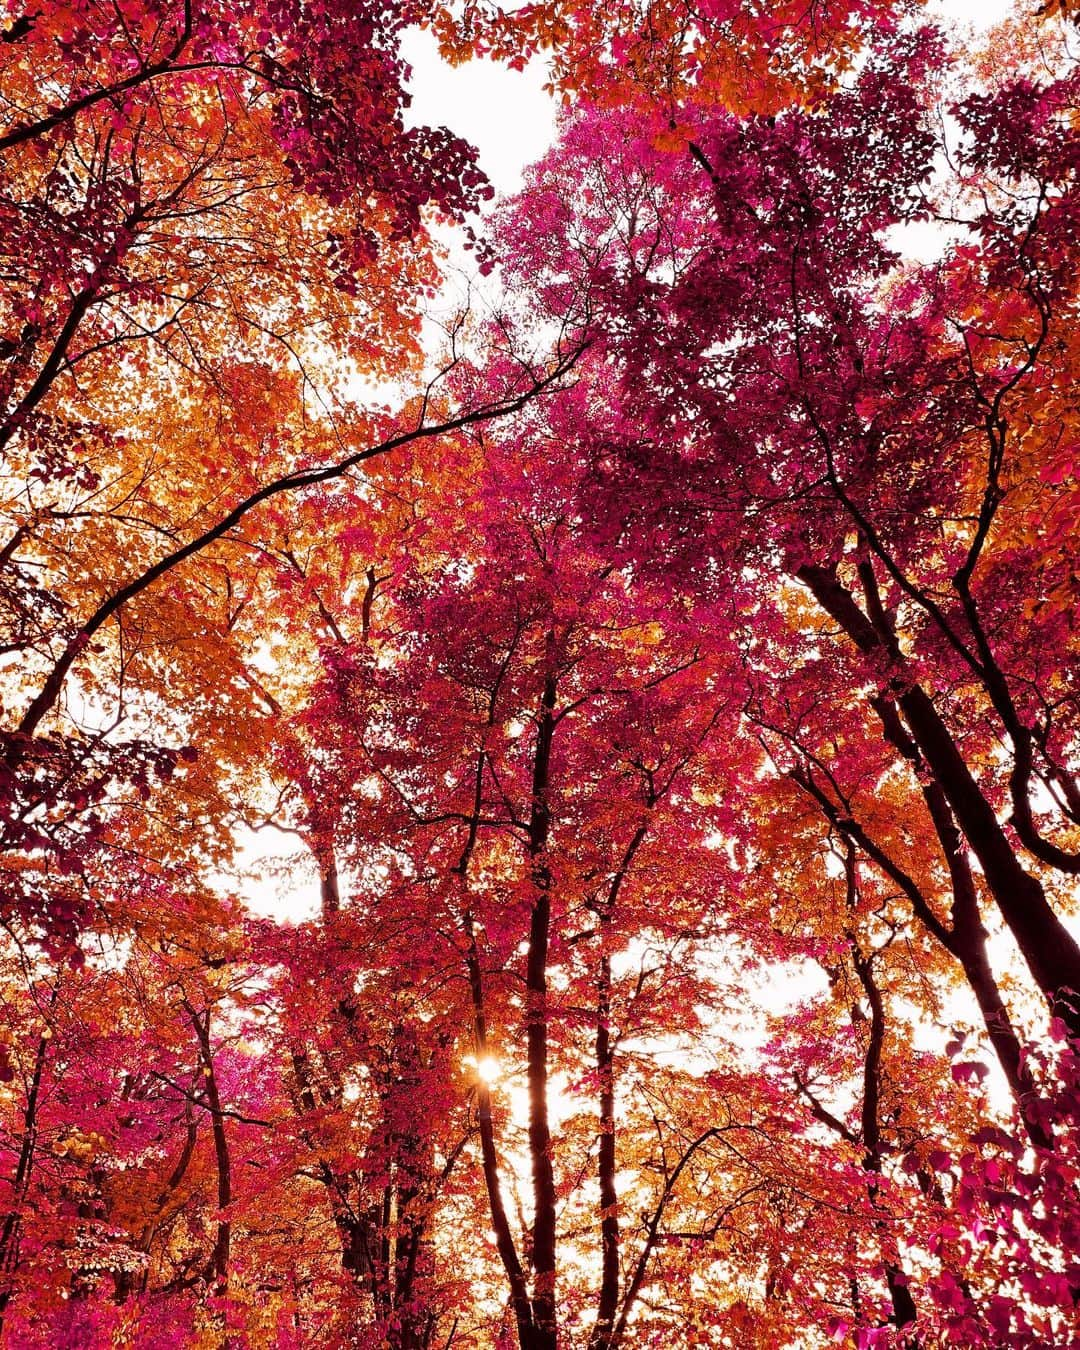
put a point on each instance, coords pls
(670, 682)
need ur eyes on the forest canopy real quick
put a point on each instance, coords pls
(659, 653)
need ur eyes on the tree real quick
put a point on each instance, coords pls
(895, 537)
(669, 694)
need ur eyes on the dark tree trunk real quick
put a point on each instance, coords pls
(219, 1260)
(1050, 952)
(543, 1333)
(12, 1224)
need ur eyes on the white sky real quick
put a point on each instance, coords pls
(504, 113)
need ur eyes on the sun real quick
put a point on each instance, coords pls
(488, 1070)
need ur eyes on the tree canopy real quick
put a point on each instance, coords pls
(662, 678)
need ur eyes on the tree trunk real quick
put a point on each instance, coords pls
(544, 1332)
(609, 1199)
(1046, 945)
(10, 1229)
(967, 942)
(1051, 954)
(219, 1261)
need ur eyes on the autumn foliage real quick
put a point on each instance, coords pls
(553, 824)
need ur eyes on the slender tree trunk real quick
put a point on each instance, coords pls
(965, 939)
(1048, 948)
(608, 1302)
(607, 1305)
(1050, 952)
(904, 1310)
(125, 1280)
(544, 1333)
(329, 884)
(500, 1223)
(414, 1152)
(11, 1227)
(967, 942)
(970, 950)
(219, 1261)
(53, 364)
